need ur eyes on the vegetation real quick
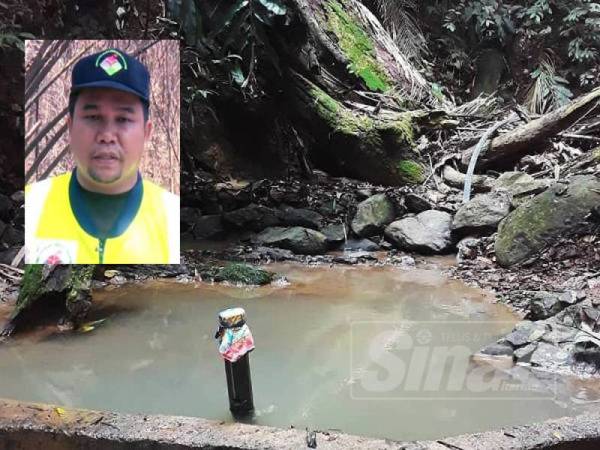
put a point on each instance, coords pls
(357, 47)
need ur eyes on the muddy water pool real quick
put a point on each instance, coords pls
(376, 351)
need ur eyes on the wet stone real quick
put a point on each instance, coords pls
(416, 203)
(498, 349)
(526, 332)
(301, 217)
(544, 304)
(523, 354)
(372, 215)
(335, 233)
(428, 232)
(559, 333)
(548, 355)
(365, 245)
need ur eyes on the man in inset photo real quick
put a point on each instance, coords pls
(103, 211)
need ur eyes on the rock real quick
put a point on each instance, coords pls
(416, 203)
(261, 253)
(2, 227)
(467, 248)
(548, 355)
(19, 216)
(208, 227)
(354, 257)
(526, 332)
(18, 198)
(243, 274)
(363, 194)
(291, 195)
(335, 233)
(11, 236)
(498, 349)
(297, 239)
(404, 261)
(481, 214)
(542, 220)
(543, 305)
(301, 217)
(559, 334)
(523, 354)
(365, 245)
(6, 207)
(428, 232)
(520, 183)
(187, 217)
(372, 215)
(587, 348)
(7, 256)
(254, 217)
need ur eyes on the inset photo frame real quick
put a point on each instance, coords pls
(102, 152)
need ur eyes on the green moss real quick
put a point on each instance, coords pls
(31, 288)
(79, 279)
(327, 107)
(410, 172)
(31, 282)
(596, 154)
(342, 120)
(357, 47)
(245, 274)
(401, 130)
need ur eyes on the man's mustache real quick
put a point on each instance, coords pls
(114, 154)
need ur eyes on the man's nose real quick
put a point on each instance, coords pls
(107, 134)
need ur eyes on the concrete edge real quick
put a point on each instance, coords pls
(34, 426)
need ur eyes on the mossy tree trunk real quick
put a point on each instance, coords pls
(43, 285)
(343, 95)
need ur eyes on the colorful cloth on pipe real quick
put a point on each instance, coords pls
(235, 342)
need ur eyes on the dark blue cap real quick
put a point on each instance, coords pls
(113, 69)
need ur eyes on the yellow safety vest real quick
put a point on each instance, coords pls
(54, 235)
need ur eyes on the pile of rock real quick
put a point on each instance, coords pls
(12, 215)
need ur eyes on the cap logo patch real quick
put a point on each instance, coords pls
(111, 62)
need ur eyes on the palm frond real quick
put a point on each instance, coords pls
(548, 90)
(398, 20)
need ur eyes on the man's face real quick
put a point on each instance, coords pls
(107, 138)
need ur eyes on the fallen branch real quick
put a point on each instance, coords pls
(480, 183)
(508, 148)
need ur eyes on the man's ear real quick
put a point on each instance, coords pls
(147, 130)
(69, 122)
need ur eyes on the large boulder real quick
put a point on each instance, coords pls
(301, 217)
(208, 227)
(300, 240)
(254, 217)
(372, 215)
(427, 232)
(520, 183)
(543, 219)
(482, 214)
(335, 233)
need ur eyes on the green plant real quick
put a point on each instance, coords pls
(548, 90)
(10, 38)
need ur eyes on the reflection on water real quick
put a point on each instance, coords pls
(351, 348)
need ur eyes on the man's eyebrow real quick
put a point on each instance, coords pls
(128, 109)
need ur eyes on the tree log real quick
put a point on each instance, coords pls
(508, 148)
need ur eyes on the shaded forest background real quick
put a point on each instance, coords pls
(48, 66)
